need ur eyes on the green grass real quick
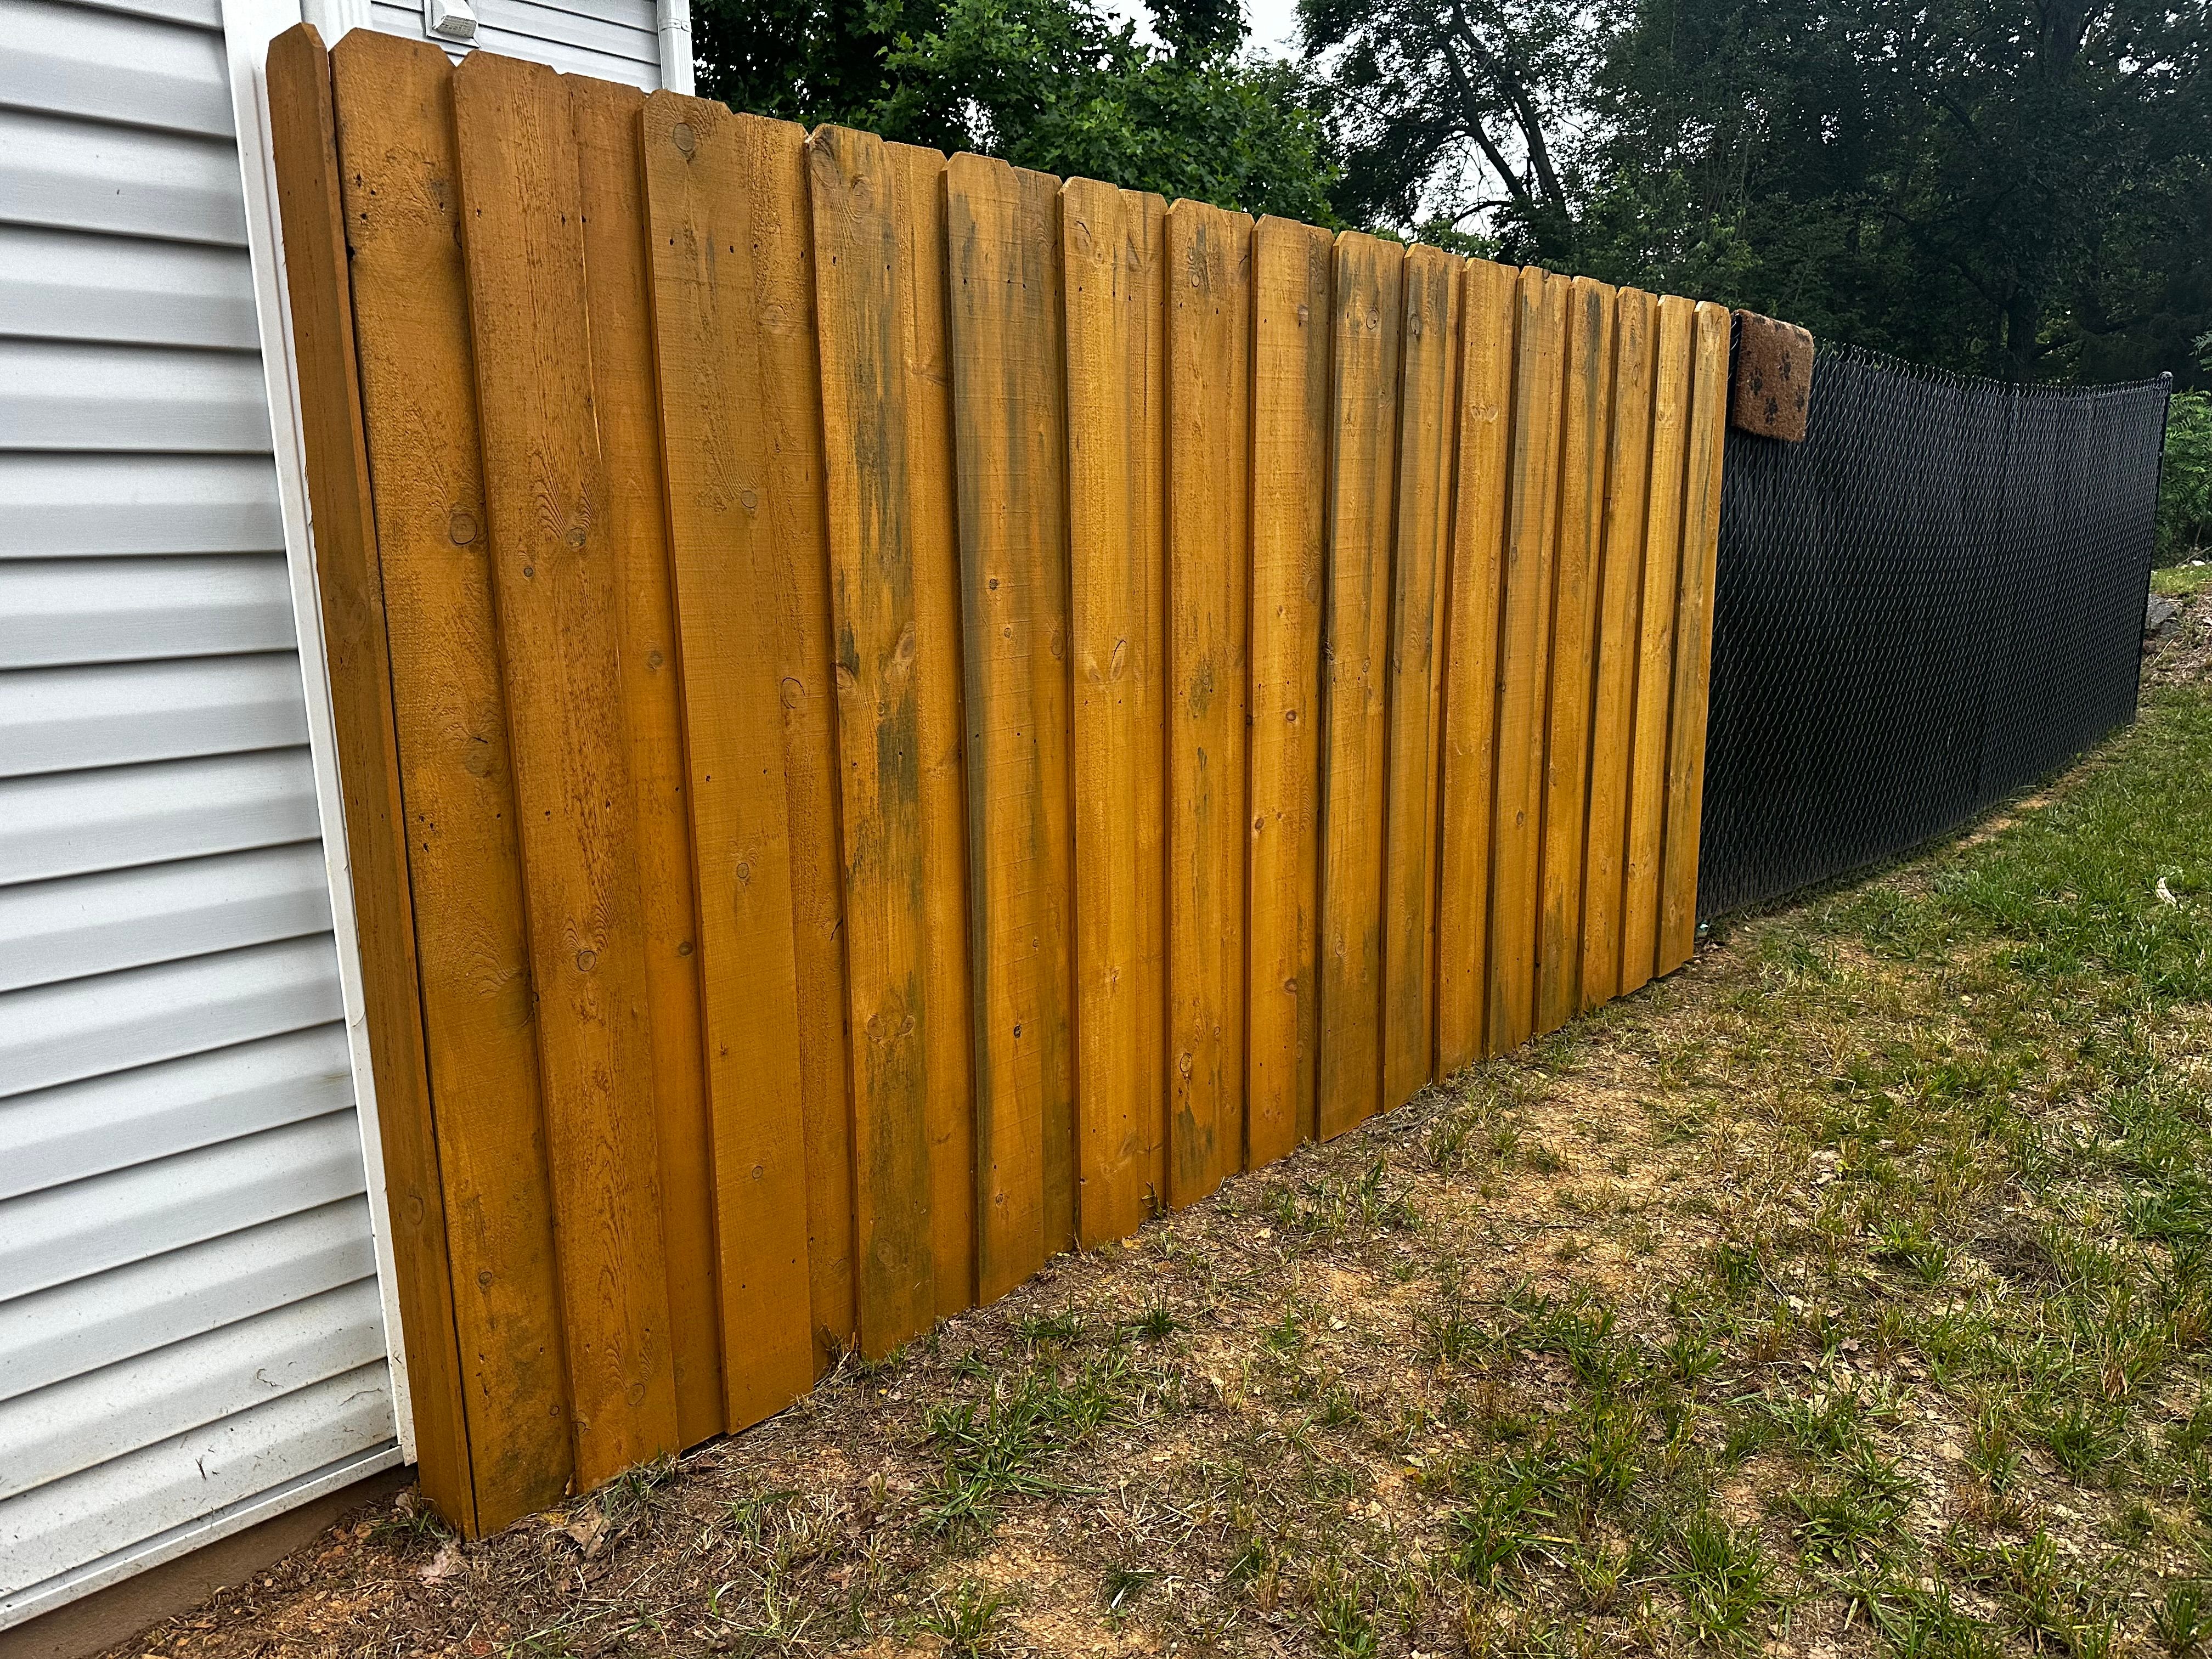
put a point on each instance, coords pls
(2179, 580)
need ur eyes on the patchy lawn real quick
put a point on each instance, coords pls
(1847, 1292)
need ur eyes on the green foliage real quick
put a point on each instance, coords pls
(2185, 482)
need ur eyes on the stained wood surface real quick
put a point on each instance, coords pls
(350, 583)
(1428, 398)
(700, 165)
(1114, 242)
(1489, 304)
(1209, 260)
(1009, 442)
(1369, 286)
(1619, 590)
(1576, 570)
(395, 136)
(1291, 364)
(1655, 662)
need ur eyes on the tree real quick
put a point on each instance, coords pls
(1052, 84)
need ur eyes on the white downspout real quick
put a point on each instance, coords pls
(673, 18)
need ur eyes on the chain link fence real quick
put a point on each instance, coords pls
(1934, 599)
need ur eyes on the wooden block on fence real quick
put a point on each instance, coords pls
(619, 298)
(1576, 570)
(1655, 656)
(1291, 313)
(706, 206)
(1693, 636)
(1010, 438)
(554, 581)
(1428, 431)
(933, 546)
(1114, 242)
(349, 579)
(1524, 658)
(861, 300)
(396, 148)
(1473, 592)
(1209, 251)
(1369, 313)
(1619, 585)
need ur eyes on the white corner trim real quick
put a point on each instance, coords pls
(673, 20)
(248, 28)
(333, 18)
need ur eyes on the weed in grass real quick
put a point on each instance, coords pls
(1122, 1585)
(1721, 1575)
(963, 1619)
(1001, 1447)
(2182, 1619)
(2084, 1436)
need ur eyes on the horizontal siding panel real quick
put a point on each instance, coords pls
(79, 610)
(79, 1130)
(135, 1309)
(108, 1507)
(73, 61)
(73, 396)
(635, 70)
(71, 506)
(89, 175)
(66, 823)
(79, 926)
(57, 719)
(69, 285)
(199, 14)
(557, 26)
(58, 1033)
(72, 1232)
(109, 1414)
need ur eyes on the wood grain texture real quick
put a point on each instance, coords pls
(1524, 658)
(934, 547)
(1009, 430)
(714, 371)
(1704, 442)
(1113, 243)
(350, 581)
(861, 307)
(464, 872)
(1619, 603)
(1428, 427)
(1576, 563)
(554, 592)
(1369, 315)
(1209, 261)
(1290, 531)
(1473, 586)
(619, 301)
(1654, 655)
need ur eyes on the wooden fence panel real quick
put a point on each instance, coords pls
(699, 167)
(1114, 244)
(1472, 592)
(1369, 282)
(1209, 251)
(1009, 436)
(1291, 310)
(1427, 426)
(897, 716)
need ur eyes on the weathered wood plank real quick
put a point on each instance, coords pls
(464, 871)
(1010, 438)
(1655, 656)
(1209, 253)
(1428, 431)
(1290, 532)
(701, 166)
(859, 307)
(1524, 658)
(1475, 582)
(553, 584)
(1369, 314)
(1576, 570)
(620, 302)
(1112, 243)
(1620, 587)
(349, 579)
(1693, 636)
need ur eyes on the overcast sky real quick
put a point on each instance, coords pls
(1274, 22)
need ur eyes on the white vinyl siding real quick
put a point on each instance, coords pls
(191, 1331)
(611, 40)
